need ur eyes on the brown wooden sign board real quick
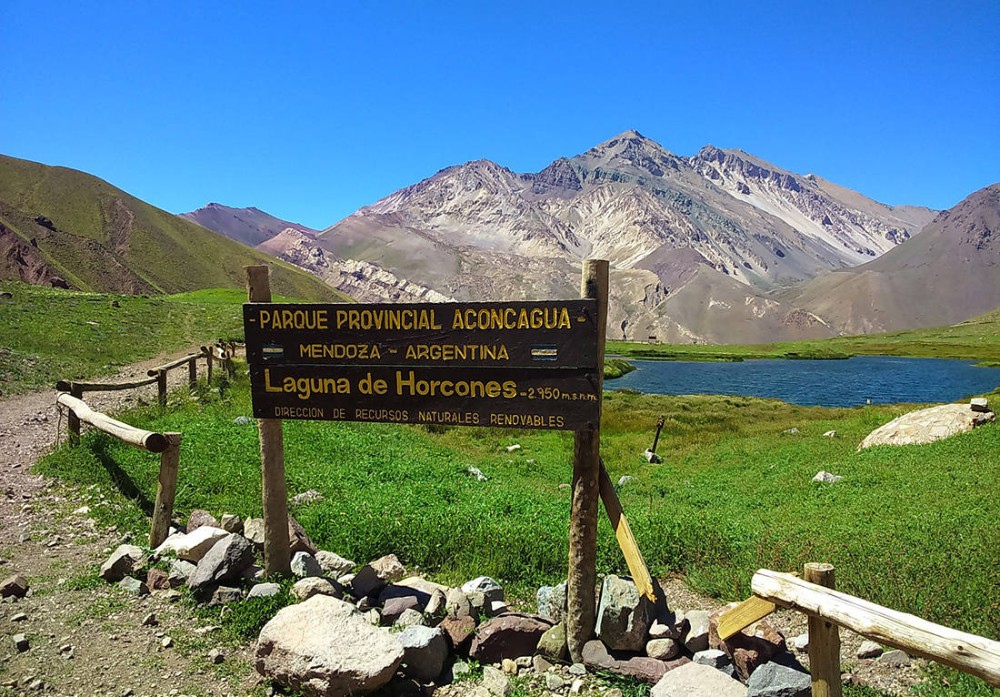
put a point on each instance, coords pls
(542, 334)
(553, 398)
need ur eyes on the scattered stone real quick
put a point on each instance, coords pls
(791, 431)
(540, 664)
(830, 434)
(458, 631)
(508, 636)
(304, 565)
(200, 517)
(157, 580)
(225, 561)
(395, 591)
(652, 458)
(457, 603)
(513, 448)
(694, 680)
(21, 642)
(166, 642)
(377, 574)
(133, 586)
(436, 605)
(979, 404)
(232, 523)
(577, 687)
(869, 649)
(774, 679)
(315, 585)
(16, 586)
(577, 669)
(298, 539)
(460, 669)
(409, 618)
(800, 643)
(490, 589)
(663, 649)
(625, 479)
(624, 616)
(120, 564)
(477, 473)
(714, 658)
(334, 564)
(895, 658)
(242, 421)
(552, 601)
(553, 682)
(19, 617)
(216, 656)
(305, 498)
(180, 572)
(495, 682)
(150, 620)
(394, 608)
(224, 595)
(424, 652)
(264, 590)
(826, 477)
(253, 530)
(553, 643)
(82, 511)
(294, 649)
(193, 545)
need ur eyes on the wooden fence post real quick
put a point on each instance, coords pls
(824, 640)
(161, 387)
(272, 458)
(582, 577)
(73, 421)
(166, 490)
(193, 372)
(207, 350)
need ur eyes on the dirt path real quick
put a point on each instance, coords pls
(87, 638)
(90, 638)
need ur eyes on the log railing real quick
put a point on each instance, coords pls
(826, 607)
(222, 352)
(166, 444)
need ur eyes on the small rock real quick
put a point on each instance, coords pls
(224, 595)
(826, 477)
(425, 651)
(869, 649)
(553, 682)
(508, 666)
(15, 586)
(458, 631)
(623, 616)
(19, 617)
(477, 473)
(133, 586)
(713, 658)
(232, 523)
(166, 642)
(540, 664)
(225, 561)
(457, 603)
(408, 618)
(800, 643)
(979, 404)
(304, 565)
(697, 636)
(460, 669)
(513, 448)
(121, 563)
(496, 683)
(791, 431)
(508, 636)
(377, 574)
(625, 479)
(200, 517)
(21, 642)
(577, 687)
(490, 589)
(830, 434)
(662, 649)
(334, 564)
(552, 601)
(315, 585)
(157, 580)
(216, 656)
(652, 458)
(180, 572)
(194, 545)
(436, 605)
(552, 643)
(264, 590)
(394, 608)
(776, 680)
(150, 620)
(242, 421)
(253, 530)
(306, 497)
(895, 658)
(577, 669)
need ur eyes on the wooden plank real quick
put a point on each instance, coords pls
(824, 640)
(965, 652)
(582, 577)
(277, 556)
(147, 440)
(64, 386)
(626, 540)
(174, 364)
(751, 610)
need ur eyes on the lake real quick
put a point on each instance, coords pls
(831, 383)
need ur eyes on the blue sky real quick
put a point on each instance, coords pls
(310, 110)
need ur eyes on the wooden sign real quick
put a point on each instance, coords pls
(512, 365)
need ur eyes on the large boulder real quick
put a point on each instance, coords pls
(777, 680)
(225, 561)
(508, 636)
(624, 616)
(324, 646)
(928, 425)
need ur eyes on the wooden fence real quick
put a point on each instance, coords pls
(221, 352)
(166, 444)
(828, 609)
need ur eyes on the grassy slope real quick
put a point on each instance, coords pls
(169, 253)
(975, 339)
(51, 334)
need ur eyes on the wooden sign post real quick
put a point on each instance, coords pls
(277, 556)
(582, 580)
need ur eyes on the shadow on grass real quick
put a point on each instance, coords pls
(120, 478)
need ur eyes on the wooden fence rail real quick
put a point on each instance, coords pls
(166, 444)
(968, 653)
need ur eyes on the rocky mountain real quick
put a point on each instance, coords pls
(251, 226)
(698, 245)
(66, 228)
(946, 274)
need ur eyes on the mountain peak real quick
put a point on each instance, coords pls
(636, 150)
